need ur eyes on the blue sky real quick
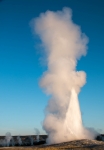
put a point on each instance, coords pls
(22, 102)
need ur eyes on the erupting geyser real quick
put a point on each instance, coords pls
(63, 44)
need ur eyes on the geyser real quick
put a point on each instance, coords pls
(64, 44)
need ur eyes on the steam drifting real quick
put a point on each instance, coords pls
(64, 44)
(37, 134)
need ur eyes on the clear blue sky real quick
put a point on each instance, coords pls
(22, 102)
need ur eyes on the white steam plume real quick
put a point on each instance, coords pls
(19, 140)
(37, 134)
(8, 138)
(64, 44)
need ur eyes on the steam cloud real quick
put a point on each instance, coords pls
(19, 140)
(7, 140)
(37, 134)
(64, 44)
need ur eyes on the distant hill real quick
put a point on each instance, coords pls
(71, 145)
(85, 144)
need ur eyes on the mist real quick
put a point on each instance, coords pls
(37, 132)
(63, 45)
